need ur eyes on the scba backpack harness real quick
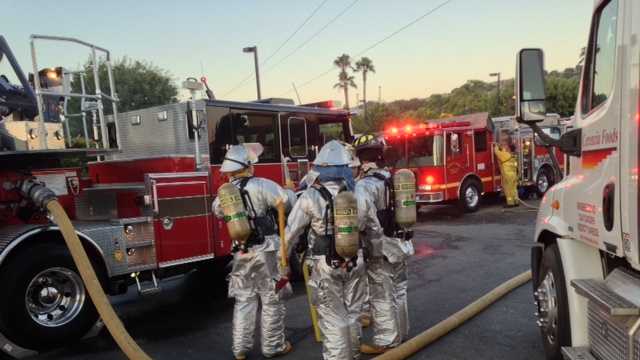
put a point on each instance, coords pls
(261, 226)
(326, 244)
(386, 216)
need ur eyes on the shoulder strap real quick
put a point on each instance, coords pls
(388, 188)
(324, 192)
(378, 176)
(246, 198)
(326, 195)
(244, 181)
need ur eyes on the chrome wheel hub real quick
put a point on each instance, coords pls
(547, 304)
(471, 196)
(54, 297)
(543, 183)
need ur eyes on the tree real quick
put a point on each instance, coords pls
(364, 65)
(344, 79)
(377, 115)
(138, 85)
(344, 82)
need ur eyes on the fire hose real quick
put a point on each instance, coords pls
(434, 333)
(46, 199)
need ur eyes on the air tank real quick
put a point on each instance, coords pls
(235, 214)
(345, 211)
(404, 188)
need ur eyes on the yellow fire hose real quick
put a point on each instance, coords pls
(102, 304)
(312, 308)
(445, 326)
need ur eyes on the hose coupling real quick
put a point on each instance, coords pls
(37, 191)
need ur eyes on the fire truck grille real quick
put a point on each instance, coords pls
(608, 334)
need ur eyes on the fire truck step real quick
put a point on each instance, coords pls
(577, 353)
(151, 290)
(612, 294)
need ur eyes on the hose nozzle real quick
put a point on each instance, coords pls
(38, 192)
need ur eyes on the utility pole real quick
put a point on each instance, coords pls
(379, 93)
(254, 50)
(497, 74)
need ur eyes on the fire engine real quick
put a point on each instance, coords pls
(586, 258)
(453, 157)
(141, 204)
(535, 165)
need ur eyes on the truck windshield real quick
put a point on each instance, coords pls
(421, 151)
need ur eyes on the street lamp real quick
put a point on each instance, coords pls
(254, 50)
(497, 74)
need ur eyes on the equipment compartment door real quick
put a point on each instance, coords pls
(182, 217)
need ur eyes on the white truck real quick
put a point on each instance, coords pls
(586, 260)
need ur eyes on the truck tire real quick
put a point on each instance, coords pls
(470, 195)
(46, 303)
(552, 307)
(544, 181)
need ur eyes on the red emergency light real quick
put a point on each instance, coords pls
(321, 104)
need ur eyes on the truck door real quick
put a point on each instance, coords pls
(593, 209)
(182, 218)
(629, 150)
(459, 160)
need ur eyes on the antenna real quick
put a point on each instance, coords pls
(296, 90)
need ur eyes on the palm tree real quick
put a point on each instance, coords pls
(364, 65)
(344, 80)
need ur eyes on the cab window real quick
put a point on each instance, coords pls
(239, 127)
(331, 131)
(454, 141)
(297, 128)
(601, 57)
(480, 140)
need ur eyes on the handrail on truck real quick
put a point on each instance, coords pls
(99, 96)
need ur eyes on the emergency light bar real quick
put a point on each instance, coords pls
(410, 129)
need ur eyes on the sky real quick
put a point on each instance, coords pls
(462, 40)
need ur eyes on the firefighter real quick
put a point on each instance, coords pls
(386, 256)
(255, 272)
(508, 170)
(337, 284)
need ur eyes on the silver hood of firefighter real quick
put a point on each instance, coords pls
(242, 156)
(333, 153)
(370, 193)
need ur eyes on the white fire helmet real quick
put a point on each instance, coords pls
(333, 153)
(242, 156)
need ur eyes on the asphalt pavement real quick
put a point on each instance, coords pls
(459, 257)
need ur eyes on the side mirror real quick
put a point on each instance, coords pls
(530, 86)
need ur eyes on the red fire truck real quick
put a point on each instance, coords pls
(141, 206)
(453, 158)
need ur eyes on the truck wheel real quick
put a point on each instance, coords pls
(469, 200)
(544, 181)
(552, 309)
(46, 303)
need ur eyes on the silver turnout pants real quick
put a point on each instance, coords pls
(338, 295)
(252, 282)
(388, 299)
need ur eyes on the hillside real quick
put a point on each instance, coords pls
(473, 96)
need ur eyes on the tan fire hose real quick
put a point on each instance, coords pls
(88, 274)
(312, 309)
(434, 333)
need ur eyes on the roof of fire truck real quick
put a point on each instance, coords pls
(322, 108)
(470, 121)
(410, 128)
